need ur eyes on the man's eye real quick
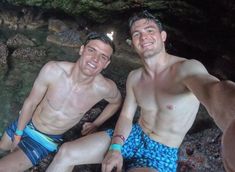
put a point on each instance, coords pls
(136, 34)
(150, 30)
(90, 50)
(104, 58)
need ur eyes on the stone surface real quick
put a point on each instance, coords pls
(21, 17)
(19, 40)
(3, 53)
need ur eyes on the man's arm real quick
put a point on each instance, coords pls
(219, 99)
(122, 128)
(217, 96)
(37, 93)
(114, 102)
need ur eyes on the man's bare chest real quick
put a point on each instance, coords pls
(71, 99)
(160, 95)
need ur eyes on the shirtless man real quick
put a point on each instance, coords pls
(168, 89)
(62, 93)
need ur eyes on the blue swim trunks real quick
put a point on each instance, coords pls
(141, 151)
(36, 145)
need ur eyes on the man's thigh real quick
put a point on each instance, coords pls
(5, 143)
(86, 150)
(15, 161)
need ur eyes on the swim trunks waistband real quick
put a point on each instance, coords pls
(44, 140)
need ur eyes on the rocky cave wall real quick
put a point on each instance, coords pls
(196, 29)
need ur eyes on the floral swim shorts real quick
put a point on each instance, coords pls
(140, 151)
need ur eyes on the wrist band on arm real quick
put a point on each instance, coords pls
(17, 137)
(19, 132)
(120, 136)
(116, 147)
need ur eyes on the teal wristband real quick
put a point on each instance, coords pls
(116, 147)
(19, 132)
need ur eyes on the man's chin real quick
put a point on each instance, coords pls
(149, 54)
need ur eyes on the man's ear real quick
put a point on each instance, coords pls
(81, 50)
(129, 42)
(164, 35)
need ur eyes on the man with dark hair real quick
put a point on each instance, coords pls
(168, 89)
(62, 93)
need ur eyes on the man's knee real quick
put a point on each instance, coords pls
(64, 153)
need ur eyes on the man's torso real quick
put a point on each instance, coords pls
(168, 108)
(65, 103)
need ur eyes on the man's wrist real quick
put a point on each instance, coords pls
(120, 137)
(116, 147)
(17, 137)
(19, 132)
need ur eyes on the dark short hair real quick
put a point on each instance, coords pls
(99, 36)
(144, 15)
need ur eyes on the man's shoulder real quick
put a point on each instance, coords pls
(191, 64)
(105, 85)
(105, 82)
(190, 67)
(135, 72)
(58, 66)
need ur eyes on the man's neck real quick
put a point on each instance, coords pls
(78, 77)
(156, 64)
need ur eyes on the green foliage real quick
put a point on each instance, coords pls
(28, 2)
(66, 5)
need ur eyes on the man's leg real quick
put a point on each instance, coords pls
(86, 150)
(14, 162)
(5, 143)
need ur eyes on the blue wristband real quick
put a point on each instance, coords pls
(116, 147)
(19, 132)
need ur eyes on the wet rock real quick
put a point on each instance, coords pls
(67, 38)
(29, 53)
(3, 54)
(201, 152)
(56, 25)
(64, 35)
(15, 17)
(92, 114)
(19, 40)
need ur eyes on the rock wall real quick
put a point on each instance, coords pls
(203, 30)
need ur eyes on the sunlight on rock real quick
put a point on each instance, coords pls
(110, 35)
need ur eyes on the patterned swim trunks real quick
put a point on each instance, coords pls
(36, 145)
(141, 151)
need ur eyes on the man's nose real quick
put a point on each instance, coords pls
(96, 57)
(143, 35)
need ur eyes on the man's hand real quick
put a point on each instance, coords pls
(15, 142)
(88, 128)
(113, 160)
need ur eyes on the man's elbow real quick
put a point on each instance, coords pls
(222, 103)
(119, 100)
